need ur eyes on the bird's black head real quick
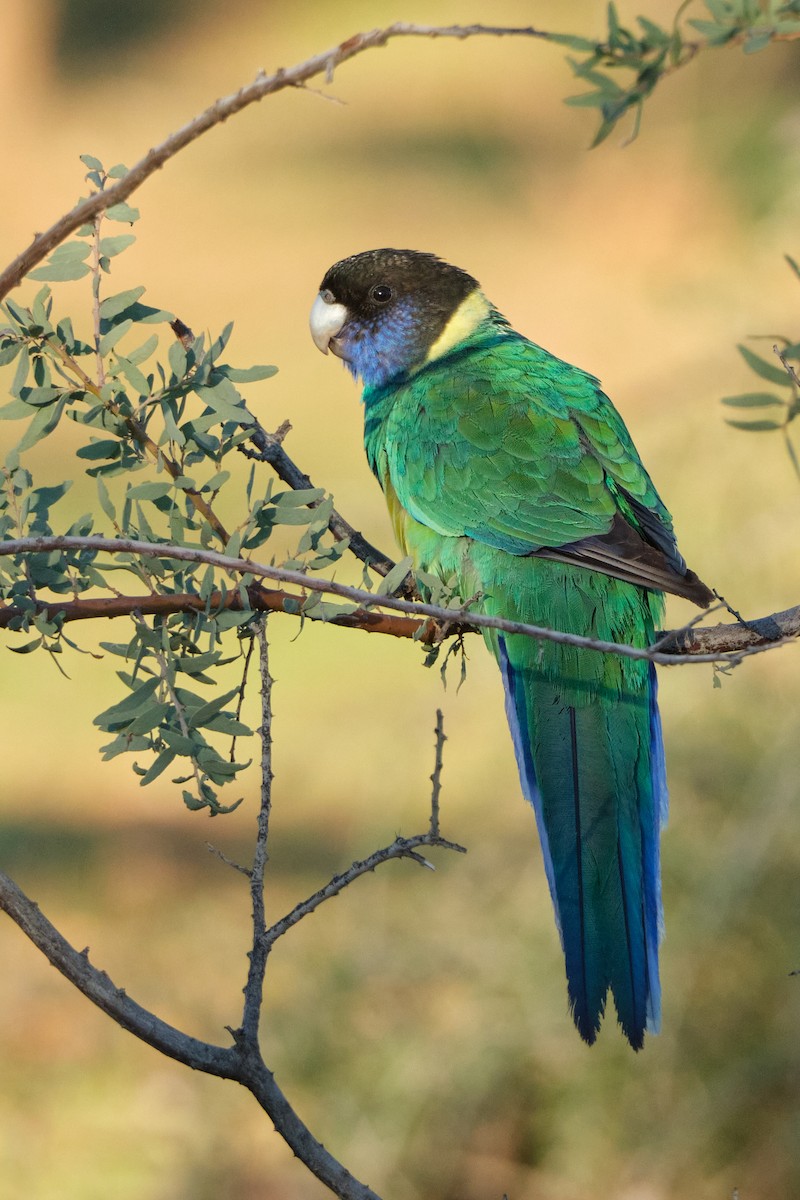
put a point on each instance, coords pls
(382, 310)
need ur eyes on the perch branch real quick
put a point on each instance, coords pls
(714, 644)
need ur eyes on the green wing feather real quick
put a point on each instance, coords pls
(516, 449)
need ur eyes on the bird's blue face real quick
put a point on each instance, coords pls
(375, 346)
(382, 310)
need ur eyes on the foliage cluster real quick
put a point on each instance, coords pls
(647, 54)
(766, 407)
(158, 433)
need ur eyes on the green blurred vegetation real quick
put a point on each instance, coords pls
(420, 1021)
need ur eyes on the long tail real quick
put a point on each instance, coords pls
(591, 762)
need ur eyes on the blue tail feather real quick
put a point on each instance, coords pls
(594, 774)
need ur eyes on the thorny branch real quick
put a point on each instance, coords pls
(728, 643)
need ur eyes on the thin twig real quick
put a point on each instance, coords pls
(101, 368)
(725, 643)
(400, 848)
(240, 700)
(247, 1035)
(436, 777)
(228, 861)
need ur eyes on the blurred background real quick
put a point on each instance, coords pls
(419, 1023)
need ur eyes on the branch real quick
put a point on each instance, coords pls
(223, 1062)
(271, 451)
(263, 85)
(114, 1001)
(714, 644)
(260, 600)
(247, 1035)
(400, 848)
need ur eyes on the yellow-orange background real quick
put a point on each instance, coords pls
(420, 1021)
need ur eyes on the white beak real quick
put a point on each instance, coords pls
(326, 320)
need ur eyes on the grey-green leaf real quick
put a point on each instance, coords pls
(755, 426)
(122, 212)
(752, 400)
(60, 272)
(114, 305)
(768, 371)
(109, 246)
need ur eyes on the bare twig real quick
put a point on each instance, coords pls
(228, 861)
(400, 848)
(717, 644)
(436, 777)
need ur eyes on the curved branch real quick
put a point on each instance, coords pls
(705, 644)
(263, 85)
(114, 1001)
(246, 1068)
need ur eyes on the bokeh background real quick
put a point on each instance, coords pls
(419, 1022)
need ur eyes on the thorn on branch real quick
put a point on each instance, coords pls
(228, 861)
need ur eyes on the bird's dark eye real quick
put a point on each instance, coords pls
(381, 294)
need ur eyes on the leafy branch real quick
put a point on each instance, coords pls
(769, 412)
(652, 52)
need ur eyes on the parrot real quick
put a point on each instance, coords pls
(509, 469)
